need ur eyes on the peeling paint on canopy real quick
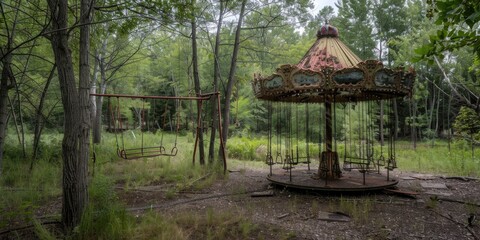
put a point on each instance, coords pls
(328, 51)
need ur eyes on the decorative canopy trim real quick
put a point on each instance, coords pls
(369, 80)
(330, 71)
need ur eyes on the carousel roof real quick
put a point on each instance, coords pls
(330, 71)
(328, 51)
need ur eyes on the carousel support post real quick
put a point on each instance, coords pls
(329, 157)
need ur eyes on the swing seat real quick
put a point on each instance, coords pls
(350, 163)
(288, 163)
(145, 152)
(269, 160)
(279, 159)
(307, 160)
(391, 164)
(381, 161)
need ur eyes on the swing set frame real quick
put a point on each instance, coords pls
(199, 99)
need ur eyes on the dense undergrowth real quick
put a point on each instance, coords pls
(25, 192)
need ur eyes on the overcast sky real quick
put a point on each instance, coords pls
(319, 4)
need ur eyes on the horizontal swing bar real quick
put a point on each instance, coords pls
(201, 97)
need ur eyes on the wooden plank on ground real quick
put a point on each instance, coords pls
(333, 217)
(401, 193)
(267, 193)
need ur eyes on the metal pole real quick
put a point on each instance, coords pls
(199, 97)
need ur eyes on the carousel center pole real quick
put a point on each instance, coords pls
(329, 165)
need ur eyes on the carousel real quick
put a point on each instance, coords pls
(336, 110)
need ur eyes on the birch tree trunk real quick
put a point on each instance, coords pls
(196, 81)
(231, 75)
(216, 76)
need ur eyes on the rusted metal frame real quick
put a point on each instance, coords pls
(199, 97)
(199, 121)
(119, 119)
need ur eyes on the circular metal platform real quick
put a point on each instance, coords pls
(351, 181)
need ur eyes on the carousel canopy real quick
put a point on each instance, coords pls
(330, 71)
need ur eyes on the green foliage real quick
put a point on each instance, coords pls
(246, 148)
(358, 209)
(460, 26)
(41, 232)
(438, 159)
(205, 225)
(22, 191)
(105, 217)
(354, 28)
(467, 122)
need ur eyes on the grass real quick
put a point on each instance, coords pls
(209, 224)
(439, 159)
(357, 209)
(434, 158)
(23, 191)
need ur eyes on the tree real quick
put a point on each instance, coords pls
(467, 124)
(354, 26)
(231, 74)
(459, 20)
(109, 59)
(216, 76)
(196, 81)
(389, 18)
(75, 144)
(20, 26)
(390, 23)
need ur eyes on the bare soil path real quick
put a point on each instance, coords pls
(440, 210)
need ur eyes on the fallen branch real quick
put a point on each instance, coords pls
(186, 201)
(283, 216)
(465, 179)
(459, 223)
(458, 201)
(199, 179)
(27, 227)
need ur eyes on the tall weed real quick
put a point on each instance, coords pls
(105, 217)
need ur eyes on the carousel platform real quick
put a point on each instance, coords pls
(350, 181)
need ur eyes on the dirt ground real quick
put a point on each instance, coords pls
(439, 210)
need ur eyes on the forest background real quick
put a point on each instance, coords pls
(179, 48)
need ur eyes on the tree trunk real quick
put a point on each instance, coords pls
(75, 144)
(86, 13)
(93, 100)
(216, 75)
(231, 75)
(39, 117)
(97, 121)
(196, 80)
(6, 83)
(414, 133)
(448, 122)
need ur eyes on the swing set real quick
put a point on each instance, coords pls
(157, 113)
